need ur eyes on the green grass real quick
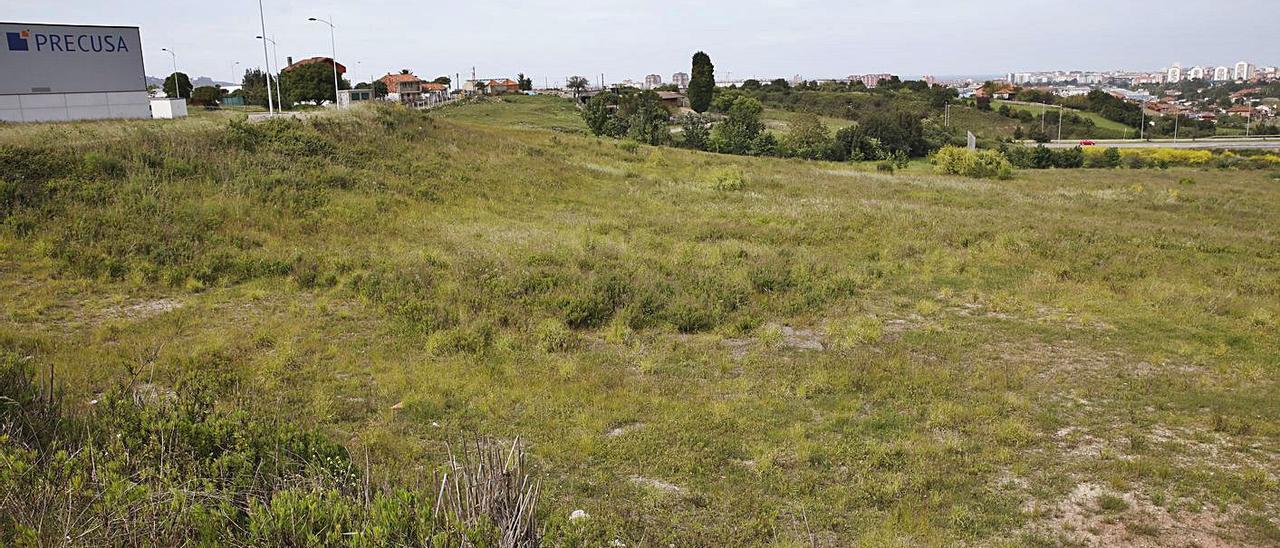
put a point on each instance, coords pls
(1109, 129)
(397, 281)
(778, 120)
(519, 111)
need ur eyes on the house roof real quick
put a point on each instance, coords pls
(313, 60)
(398, 78)
(669, 95)
(432, 86)
(503, 82)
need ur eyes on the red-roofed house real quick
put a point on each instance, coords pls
(505, 85)
(405, 88)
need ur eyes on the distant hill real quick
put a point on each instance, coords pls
(197, 81)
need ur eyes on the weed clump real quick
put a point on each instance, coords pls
(981, 164)
(728, 180)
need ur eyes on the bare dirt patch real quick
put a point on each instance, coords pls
(1092, 515)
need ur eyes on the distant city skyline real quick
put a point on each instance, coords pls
(750, 38)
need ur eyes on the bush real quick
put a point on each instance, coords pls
(694, 131)
(808, 138)
(728, 180)
(982, 164)
(1102, 158)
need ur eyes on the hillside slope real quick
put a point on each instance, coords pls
(812, 353)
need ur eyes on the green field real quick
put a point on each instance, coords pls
(821, 356)
(1111, 129)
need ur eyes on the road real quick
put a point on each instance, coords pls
(1234, 143)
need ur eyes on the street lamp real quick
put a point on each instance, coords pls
(275, 52)
(176, 88)
(262, 20)
(334, 59)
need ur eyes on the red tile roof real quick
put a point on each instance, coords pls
(312, 60)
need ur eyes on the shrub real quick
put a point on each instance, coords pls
(1068, 158)
(728, 180)
(885, 166)
(553, 335)
(694, 131)
(1102, 158)
(808, 138)
(982, 164)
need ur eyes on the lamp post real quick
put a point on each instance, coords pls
(262, 20)
(176, 88)
(334, 52)
(275, 52)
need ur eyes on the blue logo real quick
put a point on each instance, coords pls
(18, 40)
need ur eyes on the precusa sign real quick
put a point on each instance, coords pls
(42, 58)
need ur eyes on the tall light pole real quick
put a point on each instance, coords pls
(1059, 122)
(334, 49)
(176, 88)
(262, 20)
(275, 52)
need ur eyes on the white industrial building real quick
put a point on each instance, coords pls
(71, 72)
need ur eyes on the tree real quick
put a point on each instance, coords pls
(750, 84)
(807, 137)
(694, 132)
(444, 80)
(206, 96)
(523, 83)
(379, 89)
(253, 87)
(599, 114)
(183, 83)
(899, 131)
(702, 82)
(577, 84)
(644, 117)
(312, 82)
(738, 133)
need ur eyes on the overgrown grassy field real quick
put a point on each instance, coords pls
(1107, 129)
(699, 350)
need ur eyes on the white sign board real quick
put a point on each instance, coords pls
(69, 59)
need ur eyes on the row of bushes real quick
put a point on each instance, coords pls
(1042, 157)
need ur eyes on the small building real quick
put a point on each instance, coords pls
(673, 100)
(348, 96)
(505, 85)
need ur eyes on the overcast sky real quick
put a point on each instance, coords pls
(745, 38)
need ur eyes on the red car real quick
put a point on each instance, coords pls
(1087, 143)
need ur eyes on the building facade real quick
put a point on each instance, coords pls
(1244, 71)
(870, 80)
(652, 81)
(681, 80)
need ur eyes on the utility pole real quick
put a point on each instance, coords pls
(274, 73)
(1176, 117)
(334, 59)
(946, 115)
(266, 59)
(1059, 122)
(176, 88)
(1142, 126)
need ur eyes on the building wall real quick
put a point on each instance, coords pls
(56, 107)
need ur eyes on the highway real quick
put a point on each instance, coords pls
(1233, 143)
